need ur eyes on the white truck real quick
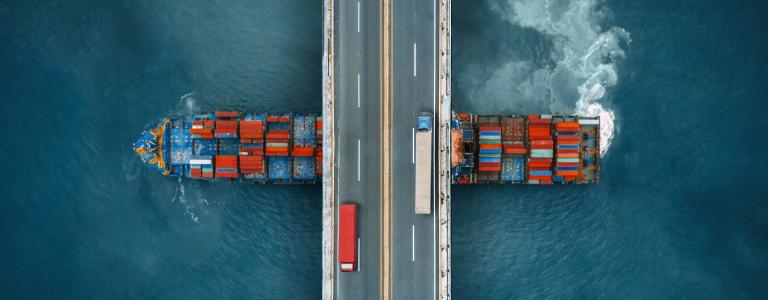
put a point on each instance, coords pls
(423, 160)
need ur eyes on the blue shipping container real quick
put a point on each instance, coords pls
(490, 133)
(541, 173)
(490, 151)
(279, 167)
(490, 159)
(567, 168)
(304, 168)
(204, 147)
(512, 169)
(568, 147)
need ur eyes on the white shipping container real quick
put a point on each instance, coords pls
(589, 121)
(541, 153)
(199, 161)
(568, 160)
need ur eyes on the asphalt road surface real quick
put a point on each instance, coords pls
(358, 139)
(358, 133)
(414, 237)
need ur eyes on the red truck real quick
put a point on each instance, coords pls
(348, 237)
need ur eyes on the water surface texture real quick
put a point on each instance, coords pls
(680, 212)
(681, 208)
(81, 217)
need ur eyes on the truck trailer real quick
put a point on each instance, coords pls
(423, 160)
(348, 237)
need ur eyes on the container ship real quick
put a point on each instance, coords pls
(524, 149)
(287, 148)
(236, 147)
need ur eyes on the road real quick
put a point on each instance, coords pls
(358, 111)
(414, 254)
(358, 139)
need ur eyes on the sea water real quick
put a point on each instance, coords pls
(81, 217)
(680, 212)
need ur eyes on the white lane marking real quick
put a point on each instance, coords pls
(413, 145)
(413, 243)
(358, 160)
(358, 16)
(358, 90)
(414, 59)
(358, 255)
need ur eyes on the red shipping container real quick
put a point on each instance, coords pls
(567, 164)
(566, 173)
(226, 175)
(303, 151)
(227, 114)
(490, 146)
(567, 125)
(226, 124)
(567, 155)
(200, 130)
(226, 130)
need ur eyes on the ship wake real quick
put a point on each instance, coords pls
(577, 69)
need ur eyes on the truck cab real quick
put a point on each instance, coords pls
(424, 121)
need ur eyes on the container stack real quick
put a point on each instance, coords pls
(226, 166)
(513, 142)
(251, 129)
(278, 139)
(319, 152)
(540, 157)
(568, 137)
(225, 129)
(252, 166)
(280, 168)
(303, 136)
(590, 159)
(229, 147)
(252, 146)
(304, 144)
(490, 148)
(278, 134)
(201, 129)
(201, 166)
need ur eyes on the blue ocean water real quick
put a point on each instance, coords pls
(680, 212)
(81, 217)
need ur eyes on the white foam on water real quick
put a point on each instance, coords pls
(583, 58)
(189, 102)
(189, 208)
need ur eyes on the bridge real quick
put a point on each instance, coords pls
(384, 62)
